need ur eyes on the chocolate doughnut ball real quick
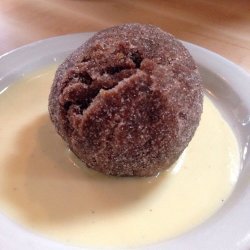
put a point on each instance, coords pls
(128, 101)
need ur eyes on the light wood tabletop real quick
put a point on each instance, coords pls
(222, 26)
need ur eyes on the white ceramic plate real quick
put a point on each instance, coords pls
(229, 87)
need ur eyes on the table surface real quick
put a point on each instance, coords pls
(222, 26)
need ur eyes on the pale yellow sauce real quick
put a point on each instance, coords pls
(42, 190)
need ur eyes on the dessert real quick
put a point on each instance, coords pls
(128, 101)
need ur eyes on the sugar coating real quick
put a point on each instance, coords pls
(128, 101)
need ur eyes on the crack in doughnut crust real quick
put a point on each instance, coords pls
(128, 101)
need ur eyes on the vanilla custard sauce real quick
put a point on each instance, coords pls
(46, 189)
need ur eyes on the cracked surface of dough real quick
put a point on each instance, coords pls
(128, 101)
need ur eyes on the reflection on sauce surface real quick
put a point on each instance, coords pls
(40, 188)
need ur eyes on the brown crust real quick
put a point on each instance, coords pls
(128, 101)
